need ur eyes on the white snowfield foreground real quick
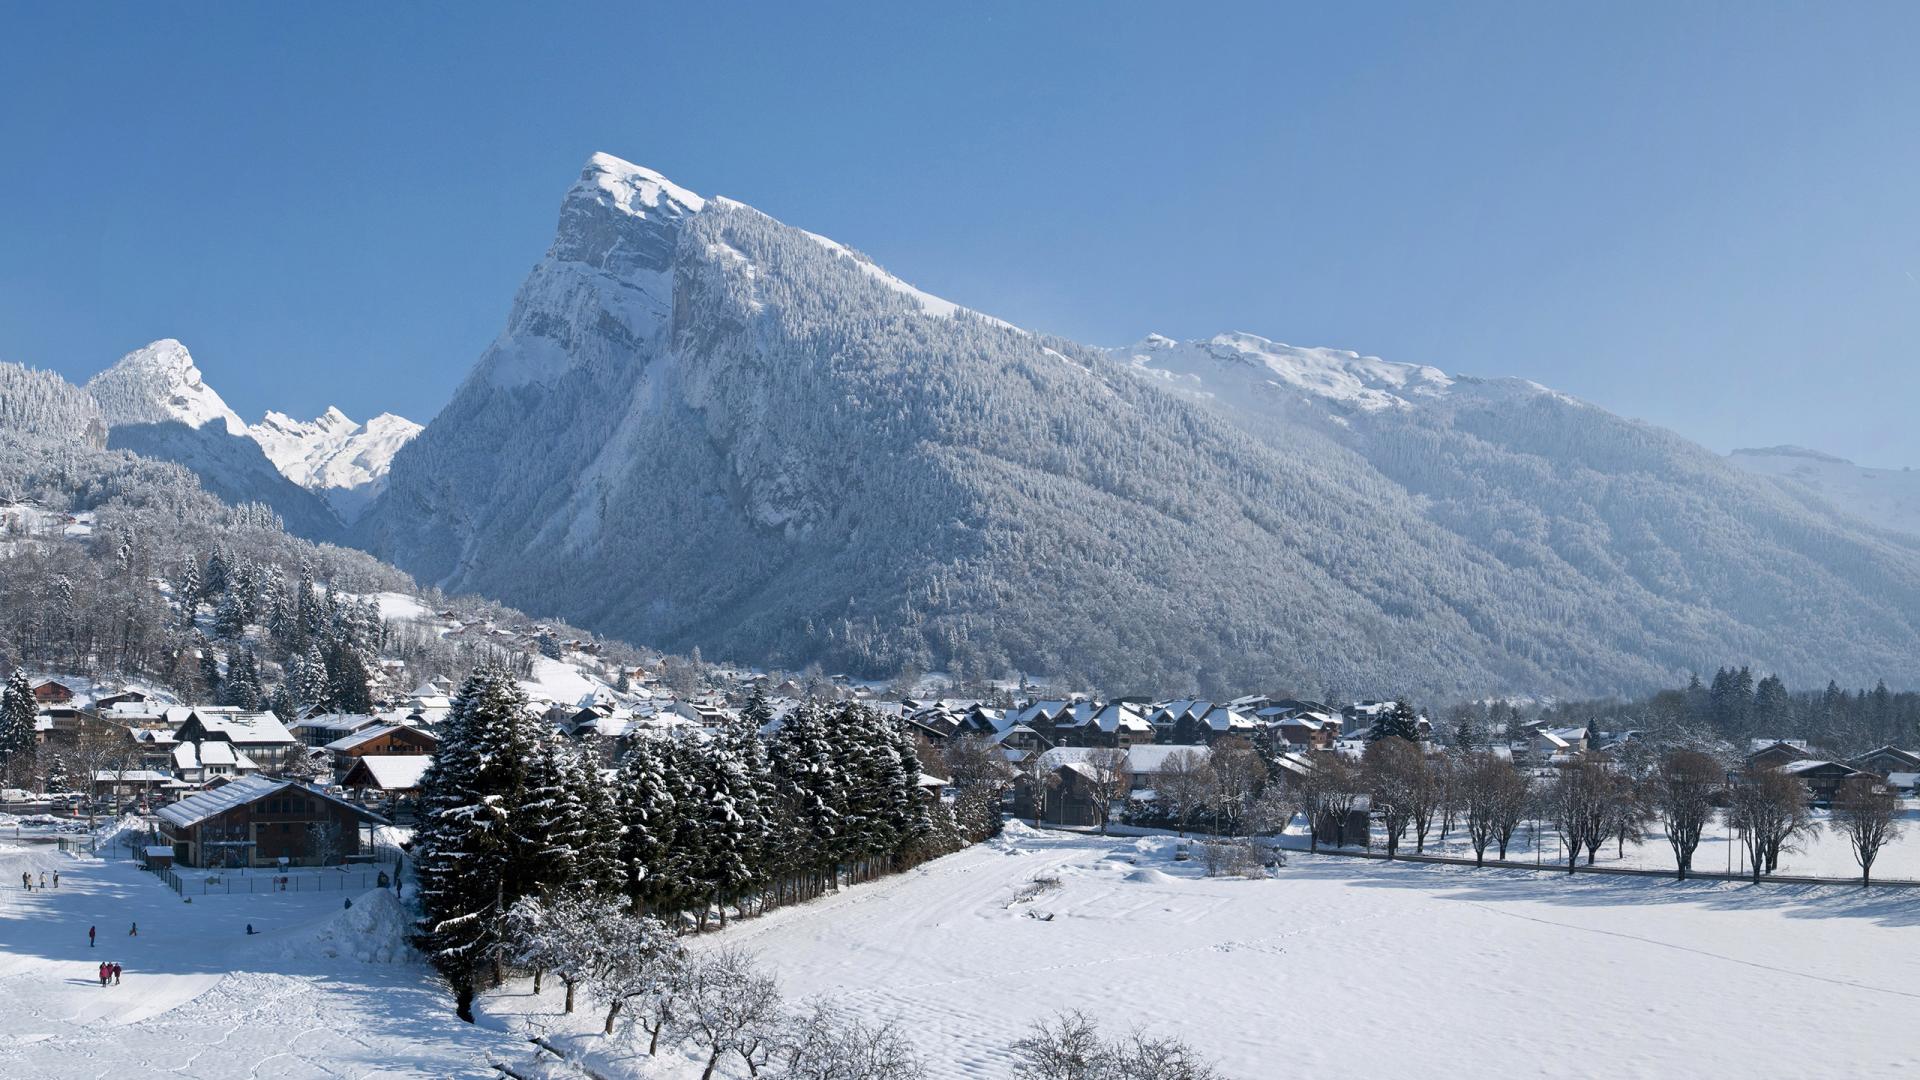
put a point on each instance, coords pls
(1333, 968)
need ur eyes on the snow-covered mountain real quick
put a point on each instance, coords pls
(159, 383)
(342, 461)
(703, 427)
(1889, 498)
(156, 404)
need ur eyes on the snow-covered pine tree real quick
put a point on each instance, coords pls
(469, 864)
(17, 737)
(242, 685)
(812, 790)
(680, 881)
(347, 681)
(229, 617)
(214, 581)
(1398, 722)
(649, 819)
(734, 826)
(599, 859)
(209, 667)
(550, 821)
(310, 686)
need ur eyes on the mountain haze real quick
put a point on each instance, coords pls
(704, 427)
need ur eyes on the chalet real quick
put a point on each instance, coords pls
(52, 692)
(126, 696)
(384, 740)
(1773, 753)
(197, 763)
(980, 720)
(1084, 723)
(1215, 722)
(1167, 717)
(1070, 799)
(131, 782)
(1301, 731)
(258, 821)
(259, 735)
(1886, 761)
(322, 728)
(1823, 778)
(1549, 743)
(1021, 737)
(394, 777)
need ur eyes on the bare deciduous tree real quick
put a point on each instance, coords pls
(825, 1043)
(1769, 808)
(1106, 777)
(1396, 773)
(1238, 772)
(1579, 802)
(1868, 814)
(730, 1008)
(1684, 786)
(1070, 1047)
(1182, 787)
(1493, 797)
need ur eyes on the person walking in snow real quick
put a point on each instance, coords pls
(56, 879)
(43, 879)
(116, 974)
(91, 931)
(103, 973)
(134, 930)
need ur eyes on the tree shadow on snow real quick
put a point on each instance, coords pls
(1888, 906)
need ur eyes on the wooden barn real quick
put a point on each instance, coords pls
(257, 821)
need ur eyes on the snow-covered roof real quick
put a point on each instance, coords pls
(395, 772)
(245, 727)
(341, 722)
(195, 809)
(364, 735)
(1794, 768)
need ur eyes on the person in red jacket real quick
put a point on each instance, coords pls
(116, 974)
(103, 973)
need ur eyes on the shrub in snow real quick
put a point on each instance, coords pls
(1070, 1047)
(729, 1007)
(823, 1042)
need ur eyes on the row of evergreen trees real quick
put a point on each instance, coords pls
(686, 826)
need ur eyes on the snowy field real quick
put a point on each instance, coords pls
(1334, 967)
(319, 991)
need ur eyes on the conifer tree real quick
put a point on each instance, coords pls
(1398, 722)
(17, 738)
(470, 864)
(347, 689)
(648, 822)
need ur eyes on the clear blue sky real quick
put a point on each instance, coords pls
(1703, 217)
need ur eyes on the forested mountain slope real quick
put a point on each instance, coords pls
(703, 427)
(42, 405)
